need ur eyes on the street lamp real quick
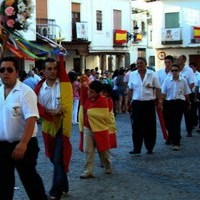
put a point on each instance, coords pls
(135, 29)
(134, 35)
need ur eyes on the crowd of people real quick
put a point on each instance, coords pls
(90, 101)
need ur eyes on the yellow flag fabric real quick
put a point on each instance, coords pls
(196, 32)
(51, 125)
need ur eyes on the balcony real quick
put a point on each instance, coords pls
(46, 27)
(171, 36)
(79, 31)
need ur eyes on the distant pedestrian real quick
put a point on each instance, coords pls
(55, 108)
(18, 143)
(144, 88)
(176, 93)
(76, 96)
(31, 81)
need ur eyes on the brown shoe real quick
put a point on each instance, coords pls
(108, 171)
(85, 176)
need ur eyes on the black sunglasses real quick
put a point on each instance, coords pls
(174, 70)
(8, 69)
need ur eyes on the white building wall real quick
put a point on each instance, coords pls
(189, 17)
(146, 43)
(103, 40)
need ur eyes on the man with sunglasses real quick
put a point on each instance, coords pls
(176, 92)
(18, 143)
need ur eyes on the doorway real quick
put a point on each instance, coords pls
(196, 60)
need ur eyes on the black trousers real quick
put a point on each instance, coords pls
(174, 110)
(143, 119)
(189, 115)
(26, 168)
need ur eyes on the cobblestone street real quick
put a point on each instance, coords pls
(165, 175)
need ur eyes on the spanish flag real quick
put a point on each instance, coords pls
(98, 116)
(52, 125)
(120, 37)
(196, 32)
(138, 37)
(112, 124)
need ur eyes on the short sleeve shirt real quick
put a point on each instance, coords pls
(188, 74)
(19, 105)
(141, 89)
(175, 89)
(49, 97)
(162, 75)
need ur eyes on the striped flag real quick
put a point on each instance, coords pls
(196, 32)
(50, 125)
(120, 37)
(139, 37)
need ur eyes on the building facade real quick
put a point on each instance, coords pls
(141, 24)
(87, 29)
(176, 30)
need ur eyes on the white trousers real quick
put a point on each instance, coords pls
(75, 110)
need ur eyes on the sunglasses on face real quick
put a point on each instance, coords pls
(8, 69)
(174, 70)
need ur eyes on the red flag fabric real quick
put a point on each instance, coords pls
(120, 37)
(196, 32)
(162, 123)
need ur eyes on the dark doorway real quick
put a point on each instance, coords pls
(195, 59)
(77, 65)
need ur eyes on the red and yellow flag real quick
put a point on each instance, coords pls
(50, 125)
(120, 37)
(196, 32)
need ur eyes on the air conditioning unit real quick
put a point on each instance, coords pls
(44, 30)
(47, 31)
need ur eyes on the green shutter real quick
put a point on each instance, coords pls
(172, 20)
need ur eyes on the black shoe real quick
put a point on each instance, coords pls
(168, 142)
(149, 152)
(134, 152)
(53, 198)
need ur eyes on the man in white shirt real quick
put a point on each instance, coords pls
(18, 143)
(53, 109)
(144, 88)
(188, 74)
(163, 73)
(194, 104)
(176, 93)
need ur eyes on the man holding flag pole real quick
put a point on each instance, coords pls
(55, 108)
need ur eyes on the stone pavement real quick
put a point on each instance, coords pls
(165, 175)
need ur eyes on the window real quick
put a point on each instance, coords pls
(99, 20)
(75, 18)
(172, 20)
(117, 19)
(143, 28)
